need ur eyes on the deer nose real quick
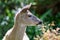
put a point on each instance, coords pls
(40, 22)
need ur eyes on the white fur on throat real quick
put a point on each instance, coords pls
(25, 37)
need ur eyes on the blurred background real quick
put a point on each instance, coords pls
(46, 10)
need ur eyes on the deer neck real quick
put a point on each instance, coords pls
(18, 31)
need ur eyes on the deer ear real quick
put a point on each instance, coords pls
(25, 8)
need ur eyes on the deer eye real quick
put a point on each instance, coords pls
(29, 15)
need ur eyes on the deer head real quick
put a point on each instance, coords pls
(26, 17)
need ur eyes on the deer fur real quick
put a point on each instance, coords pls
(22, 19)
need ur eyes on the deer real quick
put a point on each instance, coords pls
(23, 19)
